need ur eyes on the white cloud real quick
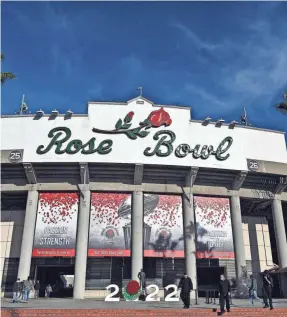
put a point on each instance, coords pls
(261, 70)
(252, 70)
(205, 95)
(192, 36)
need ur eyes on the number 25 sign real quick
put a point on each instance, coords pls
(133, 293)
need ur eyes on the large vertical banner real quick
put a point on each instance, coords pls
(214, 231)
(56, 226)
(163, 226)
(110, 225)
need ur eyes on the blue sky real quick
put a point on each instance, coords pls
(215, 57)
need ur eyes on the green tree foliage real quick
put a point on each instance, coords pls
(6, 75)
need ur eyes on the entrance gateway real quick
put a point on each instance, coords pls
(61, 279)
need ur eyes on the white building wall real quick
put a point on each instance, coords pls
(246, 239)
(12, 222)
(257, 245)
(248, 143)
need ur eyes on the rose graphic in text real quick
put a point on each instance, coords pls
(158, 118)
(133, 287)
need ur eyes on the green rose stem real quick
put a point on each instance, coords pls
(123, 126)
(133, 133)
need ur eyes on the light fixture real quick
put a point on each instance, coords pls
(40, 112)
(55, 112)
(68, 114)
(232, 124)
(219, 122)
(206, 121)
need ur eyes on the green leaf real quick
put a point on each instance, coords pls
(130, 134)
(144, 123)
(119, 124)
(136, 130)
(126, 125)
(143, 134)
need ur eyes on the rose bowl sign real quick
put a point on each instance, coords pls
(61, 141)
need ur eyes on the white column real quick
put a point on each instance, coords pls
(82, 245)
(189, 227)
(238, 241)
(280, 232)
(280, 236)
(28, 235)
(137, 233)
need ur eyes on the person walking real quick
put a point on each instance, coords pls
(253, 290)
(22, 290)
(27, 289)
(48, 291)
(142, 278)
(224, 294)
(17, 288)
(185, 286)
(32, 290)
(37, 289)
(267, 289)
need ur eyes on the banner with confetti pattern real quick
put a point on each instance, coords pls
(163, 226)
(214, 231)
(56, 226)
(110, 225)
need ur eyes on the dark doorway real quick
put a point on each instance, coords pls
(120, 270)
(52, 275)
(208, 278)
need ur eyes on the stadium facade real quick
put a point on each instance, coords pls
(133, 185)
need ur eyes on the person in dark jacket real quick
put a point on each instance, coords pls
(17, 288)
(267, 289)
(37, 289)
(27, 289)
(142, 278)
(22, 290)
(223, 294)
(185, 285)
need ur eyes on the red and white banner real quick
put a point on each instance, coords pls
(110, 225)
(214, 230)
(56, 226)
(163, 226)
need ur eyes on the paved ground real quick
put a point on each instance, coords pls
(89, 308)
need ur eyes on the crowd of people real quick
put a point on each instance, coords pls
(22, 290)
(224, 289)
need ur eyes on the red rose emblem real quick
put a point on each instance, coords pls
(159, 117)
(110, 233)
(132, 287)
(130, 114)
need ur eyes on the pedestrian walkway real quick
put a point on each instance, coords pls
(91, 308)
